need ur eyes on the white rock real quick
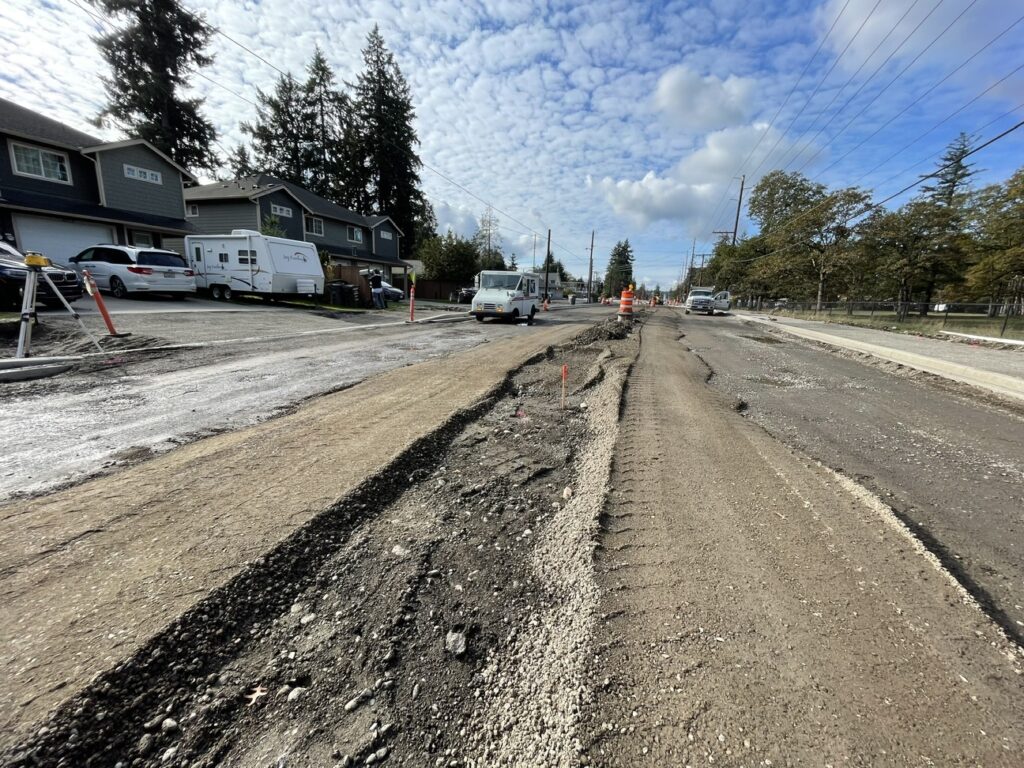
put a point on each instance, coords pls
(295, 693)
(455, 643)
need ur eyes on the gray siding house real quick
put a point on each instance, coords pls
(62, 190)
(342, 236)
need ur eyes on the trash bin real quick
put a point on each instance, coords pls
(336, 293)
(572, 299)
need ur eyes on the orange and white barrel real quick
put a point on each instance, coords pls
(626, 305)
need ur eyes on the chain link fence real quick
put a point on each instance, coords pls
(1002, 320)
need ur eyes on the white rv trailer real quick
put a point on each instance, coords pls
(248, 262)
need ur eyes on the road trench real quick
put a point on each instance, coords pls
(602, 585)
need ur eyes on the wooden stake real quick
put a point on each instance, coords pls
(565, 383)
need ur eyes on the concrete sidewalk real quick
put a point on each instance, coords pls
(996, 370)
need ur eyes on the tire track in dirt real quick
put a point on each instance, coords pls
(754, 610)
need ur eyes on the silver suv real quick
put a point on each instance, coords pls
(124, 269)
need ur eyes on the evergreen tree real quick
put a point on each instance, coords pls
(240, 163)
(620, 268)
(151, 57)
(323, 127)
(280, 133)
(947, 193)
(386, 140)
(450, 257)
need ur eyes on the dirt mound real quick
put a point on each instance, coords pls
(415, 612)
(609, 330)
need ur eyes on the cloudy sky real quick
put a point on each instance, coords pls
(630, 118)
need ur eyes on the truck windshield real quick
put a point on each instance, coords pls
(501, 282)
(700, 293)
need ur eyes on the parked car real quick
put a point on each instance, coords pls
(391, 293)
(14, 270)
(124, 269)
(462, 296)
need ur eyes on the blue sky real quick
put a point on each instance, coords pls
(625, 117)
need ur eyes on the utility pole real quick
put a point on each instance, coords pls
(590, 269)
(689, 272)
(547, 266)
(739, 204)
(534, 251)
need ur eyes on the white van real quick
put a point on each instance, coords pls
(248, 262)
(511, 296)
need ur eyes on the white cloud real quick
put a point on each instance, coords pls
(696, 103)
(690, 191)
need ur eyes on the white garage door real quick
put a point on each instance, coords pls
(59, 239)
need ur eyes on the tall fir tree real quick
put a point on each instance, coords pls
(387, 141)
(947, 192)
(151, 57)
(280, 133)
(620, 268)
(323, 107)
(239, 162)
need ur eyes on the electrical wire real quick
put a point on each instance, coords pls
(807, 66)
(817, 87)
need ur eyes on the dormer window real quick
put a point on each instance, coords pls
(142, 174)
(355, 235)
(40, 163)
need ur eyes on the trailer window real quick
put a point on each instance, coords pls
(199, 253)
(223, 258)
(246, 257)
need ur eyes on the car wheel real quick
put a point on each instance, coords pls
(686, 311)
(533, 314)
(515, 316)
(227, 293)
(215, 292)
(479, 318)
(117, 288)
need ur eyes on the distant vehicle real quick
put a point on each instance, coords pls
(14, 270)
(507, 295)
(704, 299)
(249, 262)
(390, 292)
(781, 304)
(462, 296)
(125, 269)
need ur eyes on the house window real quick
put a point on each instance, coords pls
(40, 163)
(314, 226)
(280, 210)
(193, 210)
(142, 239)
(385, 235)
(355, 235)
(142, 174)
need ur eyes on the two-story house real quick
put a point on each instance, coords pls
(62, 190)
(256, 202)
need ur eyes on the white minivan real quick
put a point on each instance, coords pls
(125, 269)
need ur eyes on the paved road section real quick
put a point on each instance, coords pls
(998, 370)
(950, 463)
(757, 610)
(91, 572)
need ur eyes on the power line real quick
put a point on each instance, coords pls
(878, 95)
(921, 96)
(946, 119)
(775, 117)
(817, 87)
(872, 206)
(870, 77)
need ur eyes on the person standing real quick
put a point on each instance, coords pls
(377, 289)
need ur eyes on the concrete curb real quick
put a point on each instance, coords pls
(1000, 383)
(989, 339)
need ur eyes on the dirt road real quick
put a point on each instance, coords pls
(948, 460)
(638, 576)
(760, 610)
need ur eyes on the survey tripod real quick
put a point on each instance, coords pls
(35, 263)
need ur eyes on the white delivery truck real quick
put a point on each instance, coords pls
(248, 262)
(511, 296)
